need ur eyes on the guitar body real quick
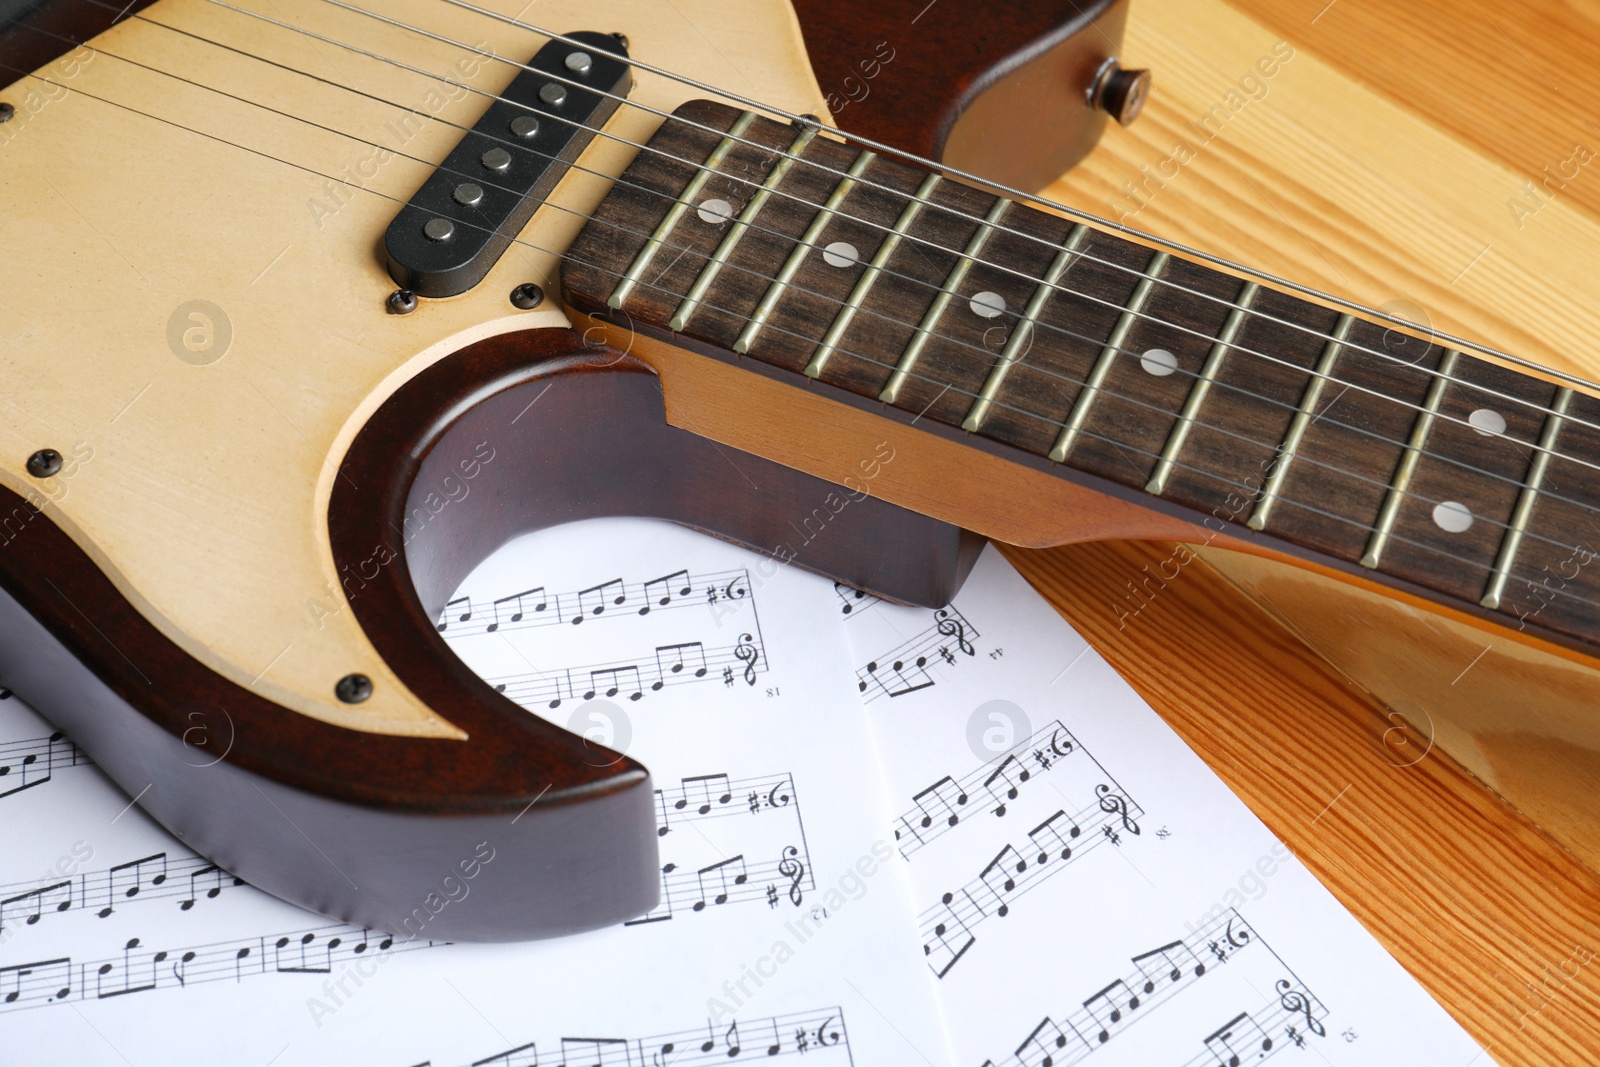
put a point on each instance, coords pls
(268, 484)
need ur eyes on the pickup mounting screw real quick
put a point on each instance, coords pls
(1120, 93)
(353, 688)
(621, 38)
(402, 302)
(6, 112)
(527, 296)
(44, 463)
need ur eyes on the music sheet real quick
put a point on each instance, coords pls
(1085, 885)
(838, 880)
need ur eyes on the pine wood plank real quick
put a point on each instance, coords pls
(1378, 165)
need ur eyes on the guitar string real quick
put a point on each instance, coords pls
(1266, 445)
(1103, 223)
(987, 354)
(1190, 375)
(1345, 346)
(1250, 490)
(1096, 222)
(978, 180)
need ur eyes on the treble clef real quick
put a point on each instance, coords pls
(1112, 804)
(954, 627)
(1292, 1000)
(748, 654)
(791, 868)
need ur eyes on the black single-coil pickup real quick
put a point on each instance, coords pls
(470, 210)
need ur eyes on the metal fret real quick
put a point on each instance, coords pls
(1017, 346)
(891, 240)
(1202, 385)
(1108, 358)
(806, 245)
(1408, 461)
(1530, 492)
(713, 163)
(740, 225)
(930, 319)
(1303, 418)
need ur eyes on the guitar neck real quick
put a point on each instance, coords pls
(1254, 412)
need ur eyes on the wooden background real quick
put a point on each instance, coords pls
(1381, 163)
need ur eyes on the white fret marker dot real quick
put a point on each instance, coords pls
(841, 254)
(715, 212)
(1158, 361)
(1489, 423)
(1452, 517)
(987, 305)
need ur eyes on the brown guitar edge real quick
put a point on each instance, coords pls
(366, 828)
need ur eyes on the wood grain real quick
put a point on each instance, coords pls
(1473, 899)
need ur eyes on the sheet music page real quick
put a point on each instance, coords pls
(784, 927)
(1085, 885)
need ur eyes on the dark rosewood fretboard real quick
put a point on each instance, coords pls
(1342, 439)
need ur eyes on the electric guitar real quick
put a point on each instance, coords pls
(312, 305)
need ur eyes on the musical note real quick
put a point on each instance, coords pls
(131, 877)
(1054, 845)
(702, 784)
(615, 680)
(720, 880)
(20, 762)
(1163, 973)
(107, 968)
(905, 670)
(49, 980)
(674, 664)
(852, 599)
(614, 591)
(675, 659)
(950, 938)
(1048, 840)
(298, 960)
(40, 898)
(1167, 963)
(1239, 1033)
(1049, 1039)
(1012, 774)
(461, 602)
(521, 1056)
(1106, 1007)
(999, 877)
(215, 875)
(594, 1052)
(515, 601)
(658, 592)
